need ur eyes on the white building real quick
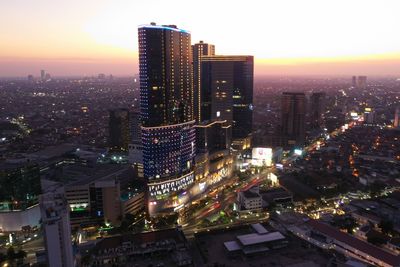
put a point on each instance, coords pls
(250, 199)
(57, 232)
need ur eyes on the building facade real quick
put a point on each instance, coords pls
(199, 50)
(227, 91)
(57, 232)
(166, 102)
(293, 112)
(317, 109)
(119, 130)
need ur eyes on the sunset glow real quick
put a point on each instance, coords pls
(86, 37)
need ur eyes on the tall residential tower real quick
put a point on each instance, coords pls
(293, 112)
(166, 102)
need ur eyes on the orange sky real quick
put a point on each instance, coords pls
(287, 37)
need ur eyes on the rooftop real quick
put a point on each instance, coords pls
(253, 239)
(353, 242)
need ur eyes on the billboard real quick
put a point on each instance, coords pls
(262, 156)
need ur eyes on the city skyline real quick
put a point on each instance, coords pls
(286, 37)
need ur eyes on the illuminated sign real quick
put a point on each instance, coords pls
(298, 152)
(261, 156)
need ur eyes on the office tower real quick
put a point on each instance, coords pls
(42, 75)
(166, 102)
(227, 92)
(56, 225)
(293, 111)
(396, 122)
(354, 81)
(362, 82)
(31, 78)
(199, 50)
(213, 136)
(119, 130)
(317, 108)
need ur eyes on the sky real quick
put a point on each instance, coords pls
(287, 37)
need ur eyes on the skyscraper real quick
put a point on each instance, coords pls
(362, 82)
(199, 50)
(293, 111)
(317, 108)
(354, 81)
(227, 91)
(396, 122)
(57, 230)
(166, 102)
(119, 130)
(42, 75)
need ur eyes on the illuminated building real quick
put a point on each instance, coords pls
(214, 161)
(227, 92)
(19, 192)
(199, 50)
(135, 155)
(317, 108)
(396, 122)
(262, 156)
(93, 193)
(119, 130)
(166, 102)
(369, 116)
(293, 111)
(212, 136)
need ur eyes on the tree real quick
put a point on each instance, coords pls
(11, 254)
(21, 254)
(2, 257)
(376, 240)
(376, 187)
(386, 226)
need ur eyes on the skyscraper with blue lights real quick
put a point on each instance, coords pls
(166, 100)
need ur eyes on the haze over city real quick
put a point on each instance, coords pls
(286, 37)
(199, 134)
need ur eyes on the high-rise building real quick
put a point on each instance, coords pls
(213, 136)
(227, 91)
(57, 232)
(135, 147)
(396, 122)
(166, 102)
(369, 116)
(362, 82)
(293, 111)
(42, 75)
(199, 50)
(136, 132)
(317, 108)
(119, 130)
(354, 81)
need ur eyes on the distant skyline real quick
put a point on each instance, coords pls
(287, 37)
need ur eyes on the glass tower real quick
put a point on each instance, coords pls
(166, 101)
(227, 91)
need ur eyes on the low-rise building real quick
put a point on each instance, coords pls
(169, 245)
(250, 199)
